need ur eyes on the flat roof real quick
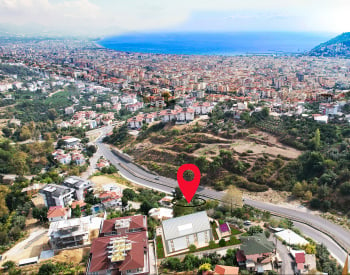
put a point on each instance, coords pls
(28, 261)
(291, 237)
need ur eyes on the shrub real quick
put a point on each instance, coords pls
(233, 240)
(345, 188)
(222, 243)
(47, 269)
(254, 230)
(8, 265)
(212, 244)
(205, 267)
(192, 248)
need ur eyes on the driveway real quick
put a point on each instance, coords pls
(152, 259)
(287, 261)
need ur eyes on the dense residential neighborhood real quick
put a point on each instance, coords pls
(92, 139)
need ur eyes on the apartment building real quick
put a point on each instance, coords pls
(57, 195)
(122, 247)
(79, 185)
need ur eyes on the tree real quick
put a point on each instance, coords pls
(232, 198)
(254, 230)
(145, 207)
(24, 133)
(308, 195)
(265, 112)
(91, 199)
(212, 244)
(15, 233)
(19, 163)
(172, 264)
(7, 132)
(177, 193)
(60, 143)
(317, 139)
(124, 202)
(245, 116)
(190, 262)
(310, 249)
(8, 265)
(323, 191)
(40, 213)
(222, 242)
(88, 210)
(4, 239)
(298, 190)
(47, 269)
(76, 211)
(91, 149)
(166, 96)
(52, 114)
(192, 248)
(345, 188)
(129, 194)
(202, 164)
(19, 221)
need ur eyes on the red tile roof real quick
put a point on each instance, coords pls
(80, 203)
(300, 258)
(56, 211)
(134, 258)
(135, 222)
(224, 269)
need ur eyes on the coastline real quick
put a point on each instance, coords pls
(95, 42)
(212, 44)
(237, 54)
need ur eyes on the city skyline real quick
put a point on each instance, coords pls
(104, 17)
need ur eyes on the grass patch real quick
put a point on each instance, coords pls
(233, 241)
(119, 179)
(213, 229)
(235, 231)
(160, 248)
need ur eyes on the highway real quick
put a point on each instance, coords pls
(145, 178)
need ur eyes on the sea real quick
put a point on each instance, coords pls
(228, 44)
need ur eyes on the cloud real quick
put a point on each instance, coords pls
(104, 17)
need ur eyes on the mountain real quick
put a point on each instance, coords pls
(336, 47)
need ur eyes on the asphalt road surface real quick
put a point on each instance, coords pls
(145, 178)
(338, 253)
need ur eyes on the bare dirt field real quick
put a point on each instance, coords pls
(72, 255)
(113, 180)
(271, 196)
(243, 146)
(29, 247)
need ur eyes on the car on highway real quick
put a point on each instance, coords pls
(156, 178)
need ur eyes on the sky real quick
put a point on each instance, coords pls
(112, 17)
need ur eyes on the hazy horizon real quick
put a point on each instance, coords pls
(101, 18)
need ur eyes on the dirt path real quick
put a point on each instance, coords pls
(30, 247)
(50, 95)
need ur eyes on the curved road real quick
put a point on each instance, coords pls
(145, 178)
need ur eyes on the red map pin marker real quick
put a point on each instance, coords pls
(188, 188)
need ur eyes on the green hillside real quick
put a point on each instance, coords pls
(338, 46)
